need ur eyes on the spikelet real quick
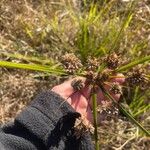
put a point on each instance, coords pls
(136, 77)
(92, 64)
(108, 112)
(112, 61)
(103, 76)
(116, 88)
(91, 76)
(77, 84)
(81, 127)
(71, 63)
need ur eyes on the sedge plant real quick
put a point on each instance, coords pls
(95, 50)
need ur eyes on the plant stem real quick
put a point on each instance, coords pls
(94, 102)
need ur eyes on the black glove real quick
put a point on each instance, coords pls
(46, 124)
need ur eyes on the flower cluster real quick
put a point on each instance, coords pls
(71, 63)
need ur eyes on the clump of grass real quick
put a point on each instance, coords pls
(139, 104)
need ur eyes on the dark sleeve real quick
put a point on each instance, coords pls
(46, 124)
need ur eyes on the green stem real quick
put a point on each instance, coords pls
(94, 102)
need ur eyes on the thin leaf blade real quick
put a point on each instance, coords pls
(33, 67)
(132, 64)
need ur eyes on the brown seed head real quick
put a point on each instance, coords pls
(91, 76)
(103, 76)
(81, 128)
(112, 61)
(71, 63)
(136, 77)
(116, 88)
(108, 112)
(92, 64)
(77, 84)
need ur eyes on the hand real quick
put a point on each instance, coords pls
(81, 100)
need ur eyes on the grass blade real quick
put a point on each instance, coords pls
(48, 69)
(94, 101)
(132, 64)
(125, 25)
(28, 58)
(145, 108)
(126, 113)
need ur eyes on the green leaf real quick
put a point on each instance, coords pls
(138, 105)
(28, 58)
(134, 63)
(142, 110)
(48, 69)
(124, 25)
